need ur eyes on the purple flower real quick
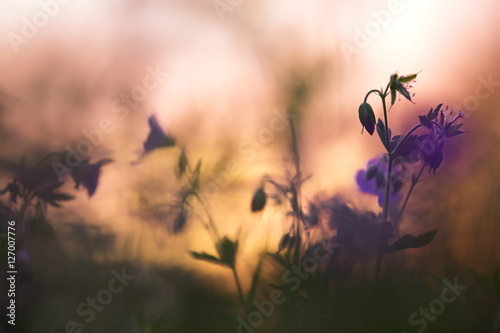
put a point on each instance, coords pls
(447, 126)
(157, 138)
(373, 180)
(401, 84)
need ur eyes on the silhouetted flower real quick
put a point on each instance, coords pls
(157, 137)
(87, 174)
(373, 180)
(401, 84)
(431, 145)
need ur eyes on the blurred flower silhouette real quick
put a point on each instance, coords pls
(87, 175)
(156, 138)
(431, 145)
(372, 180)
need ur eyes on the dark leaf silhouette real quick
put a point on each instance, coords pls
(409, 241)
(207, 257)
(181, 164)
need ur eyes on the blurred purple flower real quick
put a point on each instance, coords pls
(157, 137)
(446, 127)
(87, 175)
(372, 180)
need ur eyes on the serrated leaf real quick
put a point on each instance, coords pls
(408, 241)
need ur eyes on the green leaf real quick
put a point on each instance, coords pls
(393, 95)
(207, 257)
(381, 133)
(407, 78)
(259, 200)
(408, 241)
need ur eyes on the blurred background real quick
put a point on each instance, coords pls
(220, 76)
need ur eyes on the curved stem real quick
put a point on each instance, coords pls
(406, 136)
(46, 157)
(372, 91)
(413, 183)
(238, 286)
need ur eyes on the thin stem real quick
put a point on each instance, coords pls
(295, 148)
(238, 286)
(380, 255)
(46, 157)
(209, 216)
(296, 206)
(389, 166)
(413, 183)
(406, 136)
(371, 91)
